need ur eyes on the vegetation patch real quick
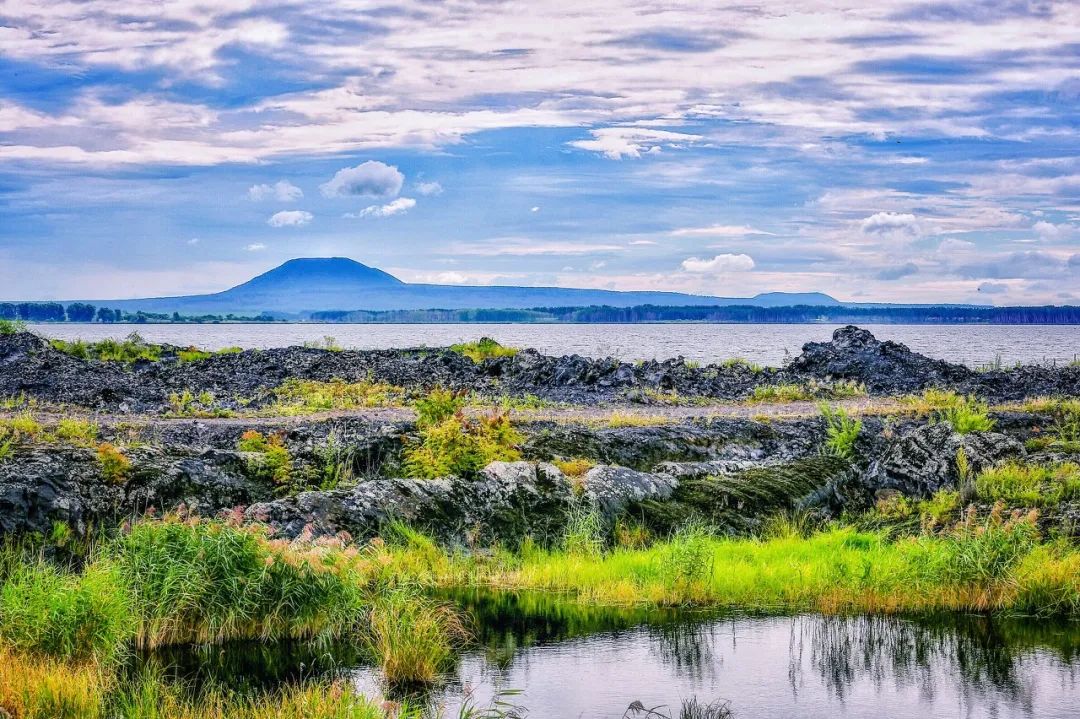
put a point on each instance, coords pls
(451, 443)
(841, 431)
(11, 327)
(131, 349)
(814, 389)
(298, 396)
(114, 464)
(965, 414)
(1029, 485)
(482, 349)
(270, 459)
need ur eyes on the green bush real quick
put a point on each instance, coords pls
(131, 349)
(273, 461)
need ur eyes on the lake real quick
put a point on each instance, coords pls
(767, 344)
(575, 661)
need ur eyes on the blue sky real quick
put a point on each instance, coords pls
(891, 151)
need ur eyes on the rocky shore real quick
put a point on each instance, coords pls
(30, 365)
(344, 472)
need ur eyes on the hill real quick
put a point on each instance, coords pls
(305, 285)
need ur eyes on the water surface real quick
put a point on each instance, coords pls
(767, 344)
(591, 662)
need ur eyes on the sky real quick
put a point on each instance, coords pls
(895, 151)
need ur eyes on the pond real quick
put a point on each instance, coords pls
(571, 661)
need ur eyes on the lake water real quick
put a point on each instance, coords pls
(589, 662)
(767, 344)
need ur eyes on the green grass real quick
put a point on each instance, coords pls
(482, 349)
(966, 415)
(11, 327)
(1029, 485)
(76, 431)
(131, 349)
(298, 396)
(737, 362)
(202, 405)
(841, 431)
(992, 564)
(413, 636)
(791, 392)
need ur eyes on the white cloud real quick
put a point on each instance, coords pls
(616, 143)
(290, 218)
(1049, 232)
(718, 231)
(891, 224)
(719, 263)
(193, 241)
(255, 247)
(429, 188)
(282, 190)
(369, 179)
(395, 207)
(534, 209)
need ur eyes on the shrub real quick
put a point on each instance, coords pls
(186, 404)
(115, 466)
(273, 461)
(192, 354)
(482, 349)
(688, 556)
(412, 636)
(131, 349)
(576, 467)
(451, 443)
(781, 393)
(11, 327)
(328, 343)
(461, 445)
(841, 431)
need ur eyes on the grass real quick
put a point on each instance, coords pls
(202, 405)
(131, 349)
(298, 396)
(11, 327)
(1029, 485)
(328, 343)
(791, 392)
(966, 415)
(740, 362)
(413, 636)
(76, 431)
(1064, 434)
(451, 443)
(995, 563)
(483, 349)
(575, 467)
(617, 420)
(841, 431)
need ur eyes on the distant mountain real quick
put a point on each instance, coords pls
(314, 284)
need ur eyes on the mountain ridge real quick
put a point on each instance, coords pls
(317, 284)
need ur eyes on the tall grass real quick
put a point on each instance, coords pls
(965, 414)
(300, 396)
(202, 582)
(132, 348)
(413, 636)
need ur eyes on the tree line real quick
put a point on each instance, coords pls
(84, 312)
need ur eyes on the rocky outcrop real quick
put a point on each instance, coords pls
(610, 490)
(29, 364)
(509, 500)
(924, 460)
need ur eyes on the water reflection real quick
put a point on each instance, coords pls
(593, 662)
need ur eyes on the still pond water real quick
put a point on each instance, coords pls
(587, 662)
(767, 344)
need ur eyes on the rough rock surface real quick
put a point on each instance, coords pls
(924, 460)
(507, 501)
(29, 364)
(612, 489)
